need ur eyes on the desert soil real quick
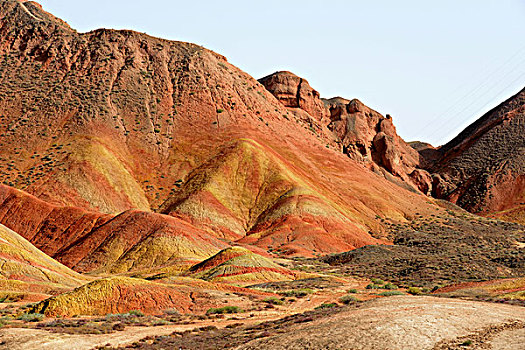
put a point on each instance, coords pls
(406, 322)
(399, 322)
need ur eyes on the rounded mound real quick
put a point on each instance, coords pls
(238, 264)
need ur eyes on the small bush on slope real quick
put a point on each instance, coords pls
(224, 310)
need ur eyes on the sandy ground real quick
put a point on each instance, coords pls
(29, 339)
(401, 322)
(405, 323)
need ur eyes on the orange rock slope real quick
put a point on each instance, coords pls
(123, 294)
(27, 273)
(92, 242)
(483, 168)
(111, 121)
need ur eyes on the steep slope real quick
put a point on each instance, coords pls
(483, 168)
(92, 242)
(237, 264)
(249, 193)
(24, 270)
(120, 120)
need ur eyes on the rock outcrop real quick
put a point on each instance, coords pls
(295, 92)
(367, 136)
(483, 168)
(363, 134)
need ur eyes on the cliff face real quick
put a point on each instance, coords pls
(361, 133)
(483, 168)
(295, 92)
(368, 136)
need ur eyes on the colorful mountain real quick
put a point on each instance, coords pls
(27, 273)
(483, 168)
(115, 295)
(100, 243)
(124, 121)
(237, 264)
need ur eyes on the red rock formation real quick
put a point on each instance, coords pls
(87, 241)
(112, 121)
(483, 168)
(369, 137)
(364, 134)
(423, 180)
(295, 92)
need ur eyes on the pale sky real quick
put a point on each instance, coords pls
(435, 66)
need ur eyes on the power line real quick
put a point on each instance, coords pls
(480, 97)
(482, 109)
(472, 92)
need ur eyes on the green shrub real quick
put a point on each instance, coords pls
(172, 312)
(347, 299)
(353, 290)
(136, 313)
(31, 317)
(298, 293)
(414, 290)
(391, 292)
(390, 286)
(374, 286)
(224, 310)
(273, 300)
(377, 281)
(219, 110)
(326, 306)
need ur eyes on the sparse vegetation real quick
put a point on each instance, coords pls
(273, 300)
(390, 286)
(31, 317)
(224, 310)
(297, 293)
(414, 291)
(374, 286)
(347, 299)
(391, 293)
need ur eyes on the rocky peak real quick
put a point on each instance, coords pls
(28, 13)
(295, 92)
(363, 134)
(369, 137)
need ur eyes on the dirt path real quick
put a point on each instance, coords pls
(29, 12)
(29, 339)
